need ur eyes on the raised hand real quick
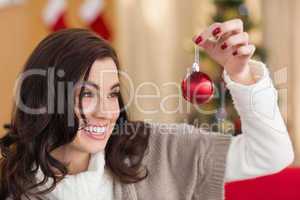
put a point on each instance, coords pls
(228, 45)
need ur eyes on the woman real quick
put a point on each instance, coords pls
(72, 139)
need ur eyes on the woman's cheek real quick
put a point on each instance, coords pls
(117, 110)
(89, 105)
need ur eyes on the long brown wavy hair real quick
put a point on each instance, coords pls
(27, 145)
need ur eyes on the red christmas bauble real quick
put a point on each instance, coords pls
(197, 88)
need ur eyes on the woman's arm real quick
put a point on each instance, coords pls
(264, 147)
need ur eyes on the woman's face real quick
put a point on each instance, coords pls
(100, 106)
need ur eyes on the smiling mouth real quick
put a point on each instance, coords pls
(95, 132)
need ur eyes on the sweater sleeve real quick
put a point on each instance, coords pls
(184, 162)
(264, 147)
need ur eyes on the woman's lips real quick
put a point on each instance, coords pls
(94, 136)
(95, 132)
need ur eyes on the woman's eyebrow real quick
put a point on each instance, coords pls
(97, 87)
(115, 85)
(92, 84)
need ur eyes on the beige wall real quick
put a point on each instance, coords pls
(281, 31)
(20, 30)
(154, 41)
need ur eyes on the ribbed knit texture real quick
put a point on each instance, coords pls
(184, 163)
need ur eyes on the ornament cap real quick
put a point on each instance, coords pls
(196, 64)
(195, 67)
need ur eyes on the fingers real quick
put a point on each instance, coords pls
(212, 30)
(218, 30)
(228, 36)
(238, 45)
(235, 40)
(246, 50)
(234, 25)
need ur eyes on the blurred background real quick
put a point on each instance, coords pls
(153, 40)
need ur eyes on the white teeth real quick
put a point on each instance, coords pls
(95, 129)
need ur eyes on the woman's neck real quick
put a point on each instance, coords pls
(75, 160)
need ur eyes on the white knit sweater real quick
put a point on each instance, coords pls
(263, 148)
(95, 182)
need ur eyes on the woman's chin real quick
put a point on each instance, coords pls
(93, 148)
(93, 143)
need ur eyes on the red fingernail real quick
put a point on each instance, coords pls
(235, 53)
(199, 40)
(224, 46)
(216, 31)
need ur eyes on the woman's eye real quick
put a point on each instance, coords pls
(87, 94)
(114, 94)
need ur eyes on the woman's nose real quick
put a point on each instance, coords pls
(104, 109)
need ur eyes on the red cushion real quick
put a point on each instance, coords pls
(281, 186)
